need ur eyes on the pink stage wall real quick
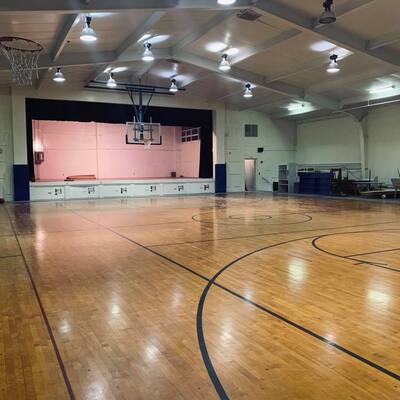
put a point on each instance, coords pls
(82, 148)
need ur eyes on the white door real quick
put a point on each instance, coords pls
(250, 175)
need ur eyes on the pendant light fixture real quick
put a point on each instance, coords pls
(111, 83)
(248, 93)
(226, 2)
(147, 54)
(88, 34)
(173, 88)
(59, 76)
(328, 16)
(333, 67)
(225, 65)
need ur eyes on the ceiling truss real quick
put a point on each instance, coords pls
(126, 51)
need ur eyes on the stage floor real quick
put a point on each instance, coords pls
(205, 297)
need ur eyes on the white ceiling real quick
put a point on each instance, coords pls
(284, 53)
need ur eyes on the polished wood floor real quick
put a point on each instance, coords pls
(237, 297)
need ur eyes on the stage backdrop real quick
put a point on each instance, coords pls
(108, 113)
(92, 148)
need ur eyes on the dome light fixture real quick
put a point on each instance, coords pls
(88, 34)
(111, 83)
(147, 54)
(248, 93)
(226, 2)
(59, 76)
(328, 16)
(225, 65)
(173, 88)
(333, 67)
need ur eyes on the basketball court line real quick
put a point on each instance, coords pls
(374, 252)
(211, 282)
(14, 255)
(358, 261)
(273, 233)
(200, 331)
(44, 316)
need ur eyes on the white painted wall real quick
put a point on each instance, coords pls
(337, 140)
(6, 148)
(383, 155)
(278, 138)
(328, 141)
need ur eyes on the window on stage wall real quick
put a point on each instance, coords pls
(190, 134)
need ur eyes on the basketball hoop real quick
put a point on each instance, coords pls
(23, 55)
(143, 133)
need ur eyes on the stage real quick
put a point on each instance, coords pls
(108, 188)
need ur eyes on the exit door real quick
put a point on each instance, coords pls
(250, 175)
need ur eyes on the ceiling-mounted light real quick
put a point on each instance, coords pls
(295, 106)
(382, 89)
(248, 93)
(147, 54)
(111, 83)
(88, 34)
(225, 65)
(173, 88)
(119, 69)
(226, 2)
(59, 76)
(328, 16)
(333, 66)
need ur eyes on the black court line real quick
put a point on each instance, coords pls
(11, 256)
(374, 252)
(273, 233)
(211, 282)
(308, 218)
(45, 318)
(353, 258)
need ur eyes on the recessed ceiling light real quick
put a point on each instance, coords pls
(226, 2)
(158, 39)
(59, 76)
(382, 89)
(248, 93)
(232, 51)
(216, 47)
(295, 106)
(144, 37)
(224, 65)
(322, 46)
(119, 69)
(333, 67)
(88, 34)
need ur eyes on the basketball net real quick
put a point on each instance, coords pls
(23, 55)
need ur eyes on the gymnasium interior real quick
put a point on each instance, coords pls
(199, 199)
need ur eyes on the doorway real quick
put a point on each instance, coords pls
(250, 175)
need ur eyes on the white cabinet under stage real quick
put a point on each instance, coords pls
(68, 190)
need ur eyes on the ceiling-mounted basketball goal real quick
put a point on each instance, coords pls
(138, 131)
(23, 56)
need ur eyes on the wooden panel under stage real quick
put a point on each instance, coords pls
(200, 297)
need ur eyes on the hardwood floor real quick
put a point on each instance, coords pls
(237, 297)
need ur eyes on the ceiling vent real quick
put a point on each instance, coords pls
(248, 15)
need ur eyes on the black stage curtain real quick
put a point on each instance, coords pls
(82, 111)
